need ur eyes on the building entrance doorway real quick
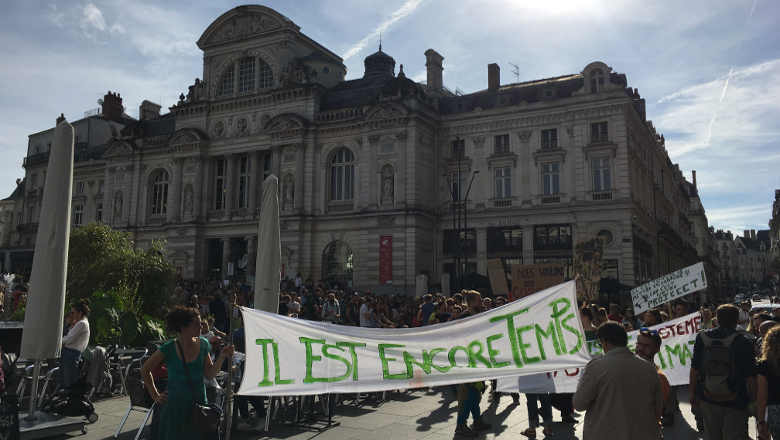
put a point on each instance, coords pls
(337, 264)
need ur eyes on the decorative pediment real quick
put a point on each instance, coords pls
(386, 111)
(186, 136)
(243, 22)
(117, 148)
(285, 122)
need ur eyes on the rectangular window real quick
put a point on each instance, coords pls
(601, 175)
(31, 214)
(501, 143)
(552, 237)
(189, 169)
(550, 179)
(79, 188)
(78, 216)
(244, 182)
(34, 181)
(610, 269)
(267, 166)
(468, 241)
(99, 212)
(550, 138)
(219, 185)
(505, 240)
(458, 186)
(101, 186)
(246, 75)
(459, 148)
(598, 132)
(503, 183)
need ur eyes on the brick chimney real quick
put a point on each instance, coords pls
(746, 233)
(494, 77)
(753, 234)
(112, 106)
(694, 179)
(433, 63)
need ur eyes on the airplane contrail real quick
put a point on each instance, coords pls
(405, 10)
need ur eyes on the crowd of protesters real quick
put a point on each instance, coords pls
(621, 390)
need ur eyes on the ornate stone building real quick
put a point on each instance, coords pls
(382, 156)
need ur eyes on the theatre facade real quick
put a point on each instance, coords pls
(373, 170)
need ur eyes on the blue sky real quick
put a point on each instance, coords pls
(709, 70)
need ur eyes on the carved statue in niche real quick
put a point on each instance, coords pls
(188, 200)
(118, 202)
(289, 193)
(388, 186)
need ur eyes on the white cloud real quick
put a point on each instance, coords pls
(92, 18)
(736, 218)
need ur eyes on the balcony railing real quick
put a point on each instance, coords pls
(27, 227)
(601, 196)
(502, 203)
(155, 220)
(552, 242)
(36, 158)
(240, 212)
(340, 207)
(503, 244)
(550, 143)
(550, 200)
(601, 136)
(216, 215)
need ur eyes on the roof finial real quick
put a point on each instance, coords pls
(380, 41)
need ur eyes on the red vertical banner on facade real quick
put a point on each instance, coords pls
(385, 259)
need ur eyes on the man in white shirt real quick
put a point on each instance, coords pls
(744, 315)
(365, 313)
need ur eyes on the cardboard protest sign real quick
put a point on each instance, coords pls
(588, 263)
(289, 357)
(531, 278)
(669, 287)
(674, 359)
(497, 277)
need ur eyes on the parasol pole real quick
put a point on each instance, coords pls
(229, 387)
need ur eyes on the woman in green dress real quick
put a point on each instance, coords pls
(177, 400)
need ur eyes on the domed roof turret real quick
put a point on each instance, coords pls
(379, 63)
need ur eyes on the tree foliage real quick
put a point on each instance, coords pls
(101, 259)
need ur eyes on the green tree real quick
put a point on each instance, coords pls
(102, 259)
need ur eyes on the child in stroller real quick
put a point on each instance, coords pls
(73, 401)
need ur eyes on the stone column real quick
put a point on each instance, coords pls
(228, 186)
(525, 172)
(254, 181)
(175, 212)
(202, 184)
(528, 244)
(108, 196)
(250, 255)
(225, 257)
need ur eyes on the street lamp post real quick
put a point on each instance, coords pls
(466, 226)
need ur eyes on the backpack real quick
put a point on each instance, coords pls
(719, 368)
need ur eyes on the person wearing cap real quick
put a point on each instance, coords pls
(615, 313)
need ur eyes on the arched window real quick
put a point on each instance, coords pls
(160, 193)
(226, 86)
(248, 78)
(337, 262)
(342, 176)
(596, 81)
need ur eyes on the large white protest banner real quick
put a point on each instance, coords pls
(669, 287)
(287, 356)
(678, 337)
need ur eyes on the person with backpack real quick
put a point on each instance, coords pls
(723, 377)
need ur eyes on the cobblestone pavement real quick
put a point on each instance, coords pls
(419, 414)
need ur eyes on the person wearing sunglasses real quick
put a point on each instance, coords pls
(648, 344)
(620, 393)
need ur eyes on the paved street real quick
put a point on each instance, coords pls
(416, 415)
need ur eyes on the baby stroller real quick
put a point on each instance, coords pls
(73, 401)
